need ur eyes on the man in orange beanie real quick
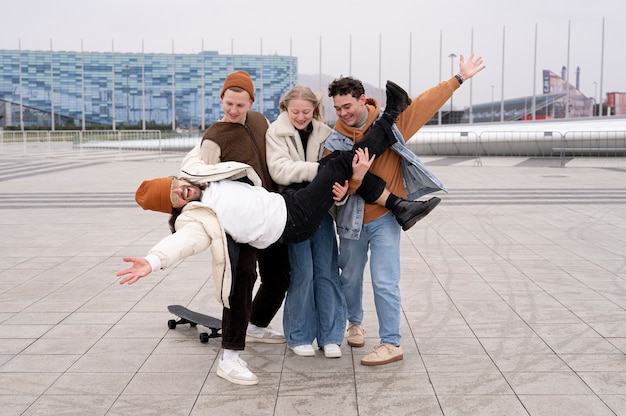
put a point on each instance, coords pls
(238, 81)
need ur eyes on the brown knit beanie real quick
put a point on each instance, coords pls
(239, 79)
(154, 195)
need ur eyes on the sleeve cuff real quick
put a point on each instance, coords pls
(154, 260)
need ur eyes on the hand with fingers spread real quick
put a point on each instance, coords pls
(141, 268)
(471, 67)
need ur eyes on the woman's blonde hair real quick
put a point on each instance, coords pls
(301, 92)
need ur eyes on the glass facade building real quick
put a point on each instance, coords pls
(50, 88)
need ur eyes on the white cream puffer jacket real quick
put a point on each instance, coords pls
(198, 226)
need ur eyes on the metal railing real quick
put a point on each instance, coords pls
(28, 142)
(431, 143)
(520, 143)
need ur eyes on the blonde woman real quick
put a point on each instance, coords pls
(314, 306)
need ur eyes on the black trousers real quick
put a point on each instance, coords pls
(306, 206)
(260, 310)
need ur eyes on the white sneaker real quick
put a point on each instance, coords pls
(332, 351)
(236, 371)
(305, 350)
(264, 335)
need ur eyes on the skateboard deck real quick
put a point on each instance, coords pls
(193, 318)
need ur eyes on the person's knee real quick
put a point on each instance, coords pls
(246, 265)
(279, 285)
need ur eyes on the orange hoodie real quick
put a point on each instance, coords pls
(387, 165)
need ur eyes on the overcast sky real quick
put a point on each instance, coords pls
(351, 36)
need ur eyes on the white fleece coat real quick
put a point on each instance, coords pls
(198, 227)
(286, 159)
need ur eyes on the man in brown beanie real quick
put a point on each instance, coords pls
(239, 136)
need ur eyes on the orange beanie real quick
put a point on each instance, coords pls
(239, 79)
(154, 195)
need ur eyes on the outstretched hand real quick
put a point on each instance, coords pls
(141, 268)
(470, 68)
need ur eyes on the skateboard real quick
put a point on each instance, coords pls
(193, 319)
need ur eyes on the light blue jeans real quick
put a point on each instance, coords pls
(382, 238)
(314, 306)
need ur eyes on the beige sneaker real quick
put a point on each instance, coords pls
(383, 354)
(264, 335)
(355, 335)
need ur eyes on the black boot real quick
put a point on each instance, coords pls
(409, 212)
(397, 100)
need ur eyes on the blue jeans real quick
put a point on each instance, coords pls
(382, 238)
(314, 307)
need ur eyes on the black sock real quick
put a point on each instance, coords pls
(391, 201)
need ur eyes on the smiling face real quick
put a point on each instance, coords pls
(349, 109)
(236, 106)
(300, 113)
(183, 192)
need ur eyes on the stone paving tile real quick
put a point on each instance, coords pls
(617, 403)
(513, 290)
(481, 405)
(70, 405)
(152, 405)
(410, 405)
(563, 404)
(256, 404)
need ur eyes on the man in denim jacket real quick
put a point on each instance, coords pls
(366, 227)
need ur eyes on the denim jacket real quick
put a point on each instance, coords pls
(418, 180)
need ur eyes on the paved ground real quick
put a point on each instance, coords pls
(514, 301)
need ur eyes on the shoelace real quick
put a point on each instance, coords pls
(355, 330)
(235, 362)
(381, 346)
(240, 366)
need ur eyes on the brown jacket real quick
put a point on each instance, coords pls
(227, 142)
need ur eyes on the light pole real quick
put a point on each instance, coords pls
(127, 95)
(451, 56)
(492, 103)
(595, 98)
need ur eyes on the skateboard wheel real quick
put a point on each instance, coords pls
(171, 324)
(204, 337)
(193, 324)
